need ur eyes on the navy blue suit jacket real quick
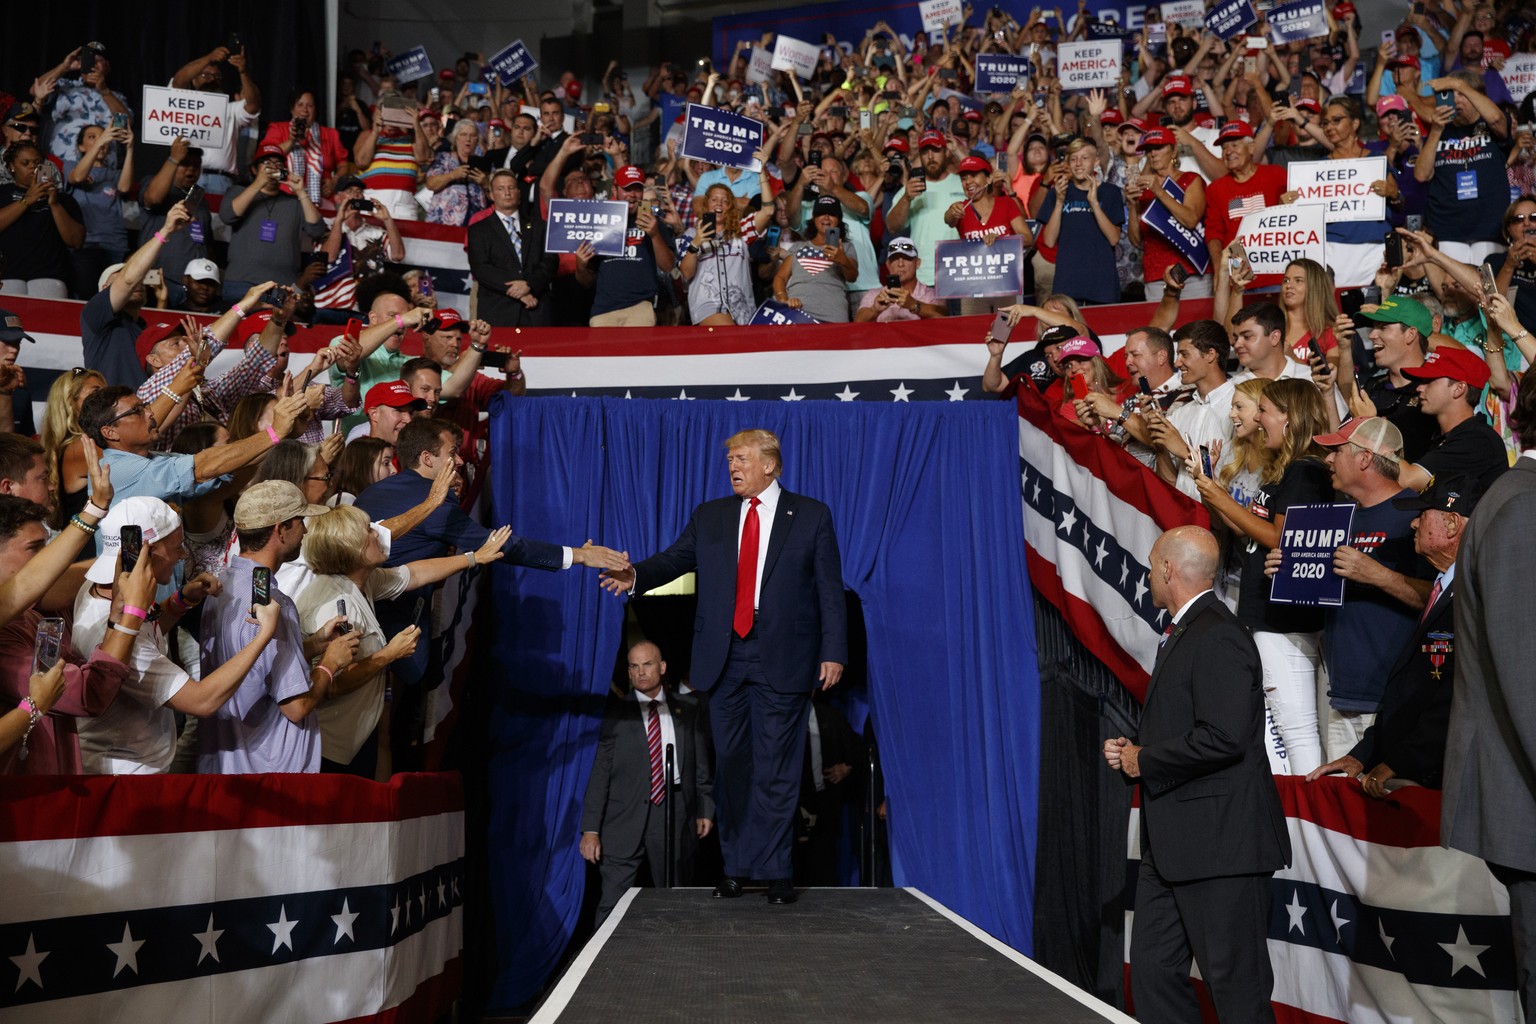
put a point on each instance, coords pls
(801, 618)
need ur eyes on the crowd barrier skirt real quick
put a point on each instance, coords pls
(231, 898)
(1091, 515)
(1374, 922)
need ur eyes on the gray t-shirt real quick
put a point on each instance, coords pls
(268, 241)
(818, 283)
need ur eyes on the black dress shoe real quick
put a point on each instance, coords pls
(728, 889)
(781, 891)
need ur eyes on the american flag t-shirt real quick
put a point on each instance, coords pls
(813, 258)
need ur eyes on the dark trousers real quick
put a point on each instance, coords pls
(1522, 923)
(759, 736)
(619, 867)
(1223, 923)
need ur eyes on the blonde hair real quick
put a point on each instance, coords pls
(765, 441)
(1248, 454)
(61, 424)
(334, 543)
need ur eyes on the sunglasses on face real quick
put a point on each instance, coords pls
(138, 410)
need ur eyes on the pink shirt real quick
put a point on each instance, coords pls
(53, 748)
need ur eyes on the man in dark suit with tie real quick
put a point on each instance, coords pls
(1489, 792)
(1407, 741)
(1212, 831)
(508, 261)
(623, 820)
(771, 624)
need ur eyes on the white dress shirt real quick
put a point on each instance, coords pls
(765, 512)
(668, 733)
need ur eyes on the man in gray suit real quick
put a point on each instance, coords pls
(624, 818)
(1489, 805)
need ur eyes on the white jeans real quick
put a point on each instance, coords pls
(1290, 663)
(1344, 730)
(1472, 253)
(1194, 288)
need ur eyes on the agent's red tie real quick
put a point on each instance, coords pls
(746, 571)
(653, 746)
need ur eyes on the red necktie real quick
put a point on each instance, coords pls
(653, 744)
(1434, 595)
(746, 571)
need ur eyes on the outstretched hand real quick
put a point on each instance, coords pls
(600, 557)
(617, 581)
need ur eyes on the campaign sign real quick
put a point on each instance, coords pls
(772, 314)
(976, 270)
(1000, 72)
(966, 102)
(513, 63)
(410, 65)
(940, 14)
(721, 137)
(760, 66)
(1520, 75)
(171, 114)
(1342, 186)
(1303, 19)
(794, 55)
(1230, 17)
(1105, 30)
(573, 221)
(1091, 65)
(1183, 12)
(1307, 542)
(1277, 235)
(1190, 242)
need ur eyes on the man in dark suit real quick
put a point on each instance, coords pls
(1489, 793)
(771, 624)
(623, 820)
(508, 261)
(1407, 741)
(1212, 831)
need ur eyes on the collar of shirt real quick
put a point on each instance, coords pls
(660, 698)
(1225, 387)
(770, 505)
(1445, 579)
(1186, 605)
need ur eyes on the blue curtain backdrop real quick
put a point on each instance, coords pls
(927, 508)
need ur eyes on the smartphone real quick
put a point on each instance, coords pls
(1317, 350)
(1079, 387)
(154, 278)
(424, 284)
(364, 206)
(1205, 460)
(1388, 39)
(918, 175)
(341, 609)
(1490, 283)
(495, 359)
(261, 585)
(194, 196)
(1001, 330)
(1002, 161)
(805, 128)
(1415, 222)
(864, 120)
(707, 219)
(771, 236)
(1179, 274)
(1370, 295)
(421, 603)
(893, 282)
(838, 111)
(1251, 65)
(478, 89)
(132, 539)
(834, 237)
(1236, 257)
(1394, 249)
(45, 649)
(1145, 386)
(119, 121)
(275, 296)
(1445, 98)
(591, 138)
(1258, 42)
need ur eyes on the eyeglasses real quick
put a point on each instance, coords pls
(138, 410)
(1335, 120)
(1527, 218)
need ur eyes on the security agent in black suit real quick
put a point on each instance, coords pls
(513, 285)
(1407, 740)
(1212, 830)
(758, 664)
(621, 824)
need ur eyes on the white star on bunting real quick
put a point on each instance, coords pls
(282, 929)
(208, 940)
(1386, 940)
(1296, 912)
(1464, 953)
(1068, 520)
(126, 951)
(343, 922)
(1141, 588)
(847, 394)
(682, 396)
(791, 397)
(901, 391)
(1098, 555)
(394, 916)
(737, 397)
(1338, 922)
(442, 894)
(957, 393)
(29, 965)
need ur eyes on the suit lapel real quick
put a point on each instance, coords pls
(783, 520)
(1166, 649)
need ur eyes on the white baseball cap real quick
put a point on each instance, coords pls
(202, 270)
(106, 275)
(157, 519)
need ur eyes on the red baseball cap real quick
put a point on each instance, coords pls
(899, 143)
(253, 325)
(971, 115)
(1111, 116)
(628, 176)
(269, 149)
(445, 75)
(1404, 60)
(975, 165)
(931, 140)
(394, 393)
(1232, 131)
(430, 115)
(1134, 123)
(449, 320)
(153, 335)
(1456, 363)
(1307, 103)
(1158, 137)
(1178, 85)
(573, 88)
(496, 122)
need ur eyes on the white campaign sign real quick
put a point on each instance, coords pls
(1091, 65)
(940, 14)
(171, 114)
(1343, 187)
(1520, 75)
(759, 66)
(1184, 12)
(1277, 235)
(793, 55)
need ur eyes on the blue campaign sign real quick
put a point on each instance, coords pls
(410, 65)
(513, 62)
(1189, 241)
(1307, 541)
(1303, 19)
(1230, 17)
(1000, 72)
(573, 221)
(772, 314)
(721, 137)
(976, 270)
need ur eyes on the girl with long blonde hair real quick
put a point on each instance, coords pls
(61, 436)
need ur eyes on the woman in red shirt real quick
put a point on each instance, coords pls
(990, 210)
(313, 151)
(1157, 253)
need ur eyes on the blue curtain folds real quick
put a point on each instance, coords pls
(926, 503)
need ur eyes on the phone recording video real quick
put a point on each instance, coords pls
(132, 540)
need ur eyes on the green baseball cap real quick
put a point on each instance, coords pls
(1408, 312)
